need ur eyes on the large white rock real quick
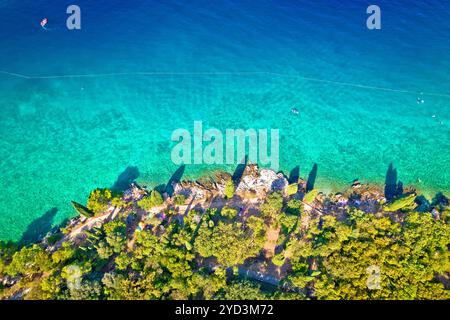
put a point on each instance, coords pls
(266, 180)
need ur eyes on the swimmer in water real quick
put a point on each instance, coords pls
(44, 23)
(295, 111)
(420, 100)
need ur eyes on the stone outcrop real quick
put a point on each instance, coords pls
(253, 180)
(264, 180)
(204, 187)
(134, 193)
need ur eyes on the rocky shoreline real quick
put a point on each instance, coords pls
(251, 190)
(245, 194)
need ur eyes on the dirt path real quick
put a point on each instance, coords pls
(75, 234)
(271, 243)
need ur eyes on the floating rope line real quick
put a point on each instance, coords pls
(356, 85)
(347, 84)
(15, 74)
(94, 75)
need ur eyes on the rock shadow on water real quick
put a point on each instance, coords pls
(38, 228)
(128, 176)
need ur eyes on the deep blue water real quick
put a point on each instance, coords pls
(62, 137)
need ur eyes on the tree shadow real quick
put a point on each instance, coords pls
(440, 199)
(423, 205)
(189, 206)
(39, 227)
(126, 178)
(175, 178)
(294, 175)
(392, 188)
(237, 174)
(399, 190)
(311, 178)
(161, 188)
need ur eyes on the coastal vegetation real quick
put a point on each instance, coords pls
(229, 189)
(260, 238)
(153, 200)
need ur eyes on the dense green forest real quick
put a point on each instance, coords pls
(293, 244)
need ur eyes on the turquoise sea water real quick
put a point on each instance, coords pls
(230, 64)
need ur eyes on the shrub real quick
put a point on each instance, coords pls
(29, 261)
(114, 226)
(115, 234)
(63, 254)
(406, 202)
(292, 189)
(118, 201)
(287, 222)
(445, 216)
(310, 196)
(179, 199)
(99, 200)
(244, 290)
(104, 251)
(228, 212)
(278, 259)
(154, 221)
(122, 261)
(229, 189)
(273, 205)
(153, 200)
(156, 198)
(294, 207)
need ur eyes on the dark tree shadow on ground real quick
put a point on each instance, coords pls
(392, 188)
(128, 176)
(237, 174)
(175, 178)
(39, 227)
(311, 178)
(294, 175)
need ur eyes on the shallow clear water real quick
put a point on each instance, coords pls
(62, 137)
